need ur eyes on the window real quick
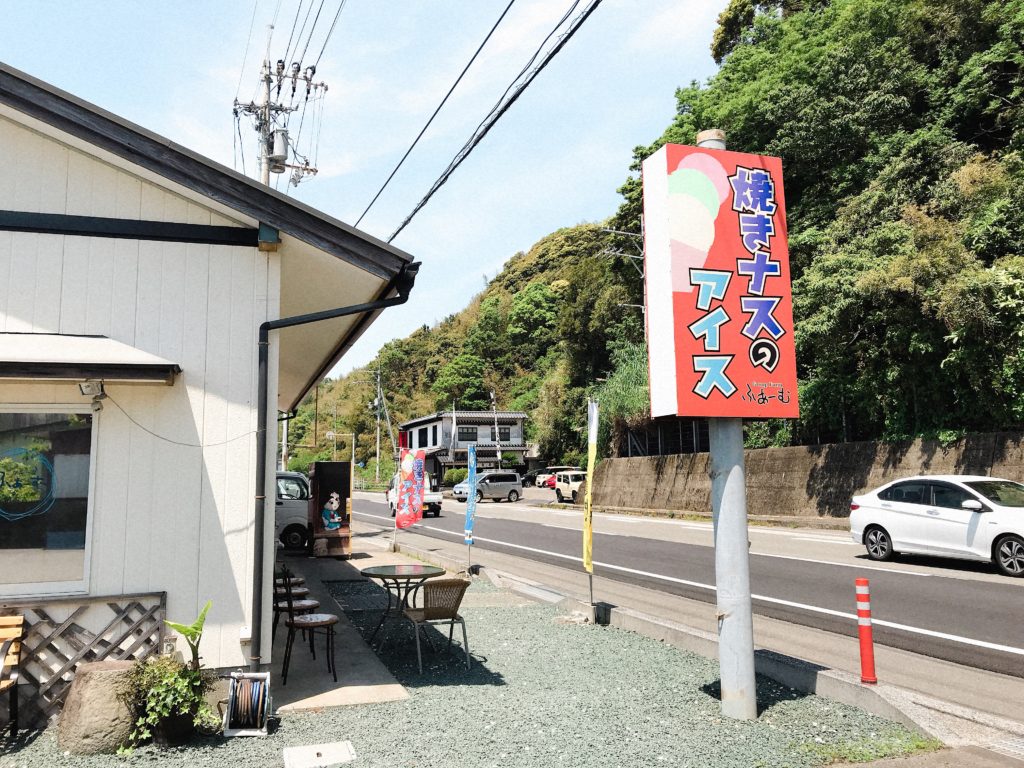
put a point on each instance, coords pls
(422, 438)
(467, 434)
(292, 488)
(433, 435)
(1003, 492)
(949, 496)
(45, 466)
(908, 493)
(504, 434)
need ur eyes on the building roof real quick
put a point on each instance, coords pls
(325, 263)
(472, 415)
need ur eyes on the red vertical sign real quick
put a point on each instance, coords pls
(409, 508)
(719, 301)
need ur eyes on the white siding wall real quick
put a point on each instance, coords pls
(166, 515)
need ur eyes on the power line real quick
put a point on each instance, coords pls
(499, 109)
(245, 55)
(311, 30)
(330, 31)
(445, 99)
(295, 23)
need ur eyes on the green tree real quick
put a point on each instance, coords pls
(532, 319)
(461, 381)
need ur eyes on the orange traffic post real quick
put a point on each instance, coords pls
(867, 643)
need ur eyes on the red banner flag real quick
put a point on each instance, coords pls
(410, 488)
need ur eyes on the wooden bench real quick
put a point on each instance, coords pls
(11, 629)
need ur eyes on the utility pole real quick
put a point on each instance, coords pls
(332, 434)
(732, 557)
(270, 114)
(376, 404)
(497, 435)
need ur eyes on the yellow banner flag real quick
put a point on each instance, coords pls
(588, 508)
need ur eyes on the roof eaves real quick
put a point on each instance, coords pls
(159, 155)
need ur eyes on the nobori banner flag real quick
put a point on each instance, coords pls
(588, 499)
(411, 477)
(470, 493)
(718, 296)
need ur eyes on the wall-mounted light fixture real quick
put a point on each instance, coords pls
(91, 388)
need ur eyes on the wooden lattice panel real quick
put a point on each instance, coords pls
(61, 634)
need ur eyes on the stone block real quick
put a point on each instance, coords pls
(94, 719)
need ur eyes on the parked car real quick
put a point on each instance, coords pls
(530, 478)
(545, 474)
(567, 485)
(431, 495)
(291, 519)
(492, 485)
(962, 516)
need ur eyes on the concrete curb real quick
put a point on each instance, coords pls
(928, 716)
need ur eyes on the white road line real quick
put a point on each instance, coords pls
(858, 566)
(764, 598)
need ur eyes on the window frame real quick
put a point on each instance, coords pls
(939, 484)
(63, 588)
(904, 483)
(476, 434)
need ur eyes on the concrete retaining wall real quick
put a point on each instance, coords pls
(807, 481)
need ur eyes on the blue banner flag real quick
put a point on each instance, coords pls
(471, 494)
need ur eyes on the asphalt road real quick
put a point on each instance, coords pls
(960, 612)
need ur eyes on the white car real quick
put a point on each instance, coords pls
(542, 476)
(567, 485)
(964, 516)
(432, 497)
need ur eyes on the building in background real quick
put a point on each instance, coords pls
(445, 436)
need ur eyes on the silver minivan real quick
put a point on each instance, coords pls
(292, 516)
(497, 485)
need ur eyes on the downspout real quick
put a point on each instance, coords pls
(403, 284)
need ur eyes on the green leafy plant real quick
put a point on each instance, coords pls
(192, 633)
(164, 688)
(454, 476)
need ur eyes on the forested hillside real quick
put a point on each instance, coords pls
(900, 124)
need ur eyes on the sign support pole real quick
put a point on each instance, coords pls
(732, 559)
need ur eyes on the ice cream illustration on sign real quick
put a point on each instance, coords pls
(696, 191)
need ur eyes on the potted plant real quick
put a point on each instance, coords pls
(167, 694)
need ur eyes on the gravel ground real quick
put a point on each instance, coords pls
(540, 693)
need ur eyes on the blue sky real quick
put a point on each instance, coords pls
(555, 159)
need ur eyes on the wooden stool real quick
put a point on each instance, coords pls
(11, 630)
(294, 592)
(311, 622)
(294, 608)
(290, 581)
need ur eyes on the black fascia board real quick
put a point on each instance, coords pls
(155, 372)
(134, 229)
(163, 157)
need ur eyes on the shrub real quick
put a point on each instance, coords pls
(454, 476)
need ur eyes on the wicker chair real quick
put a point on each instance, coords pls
(441, 601)
(11, 629)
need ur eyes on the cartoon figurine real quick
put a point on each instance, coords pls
(332, 520)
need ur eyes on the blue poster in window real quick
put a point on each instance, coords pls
(471, 494)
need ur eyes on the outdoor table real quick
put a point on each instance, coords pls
(400, 581)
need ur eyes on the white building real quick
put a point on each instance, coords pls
(130, 261)
(446, 435)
